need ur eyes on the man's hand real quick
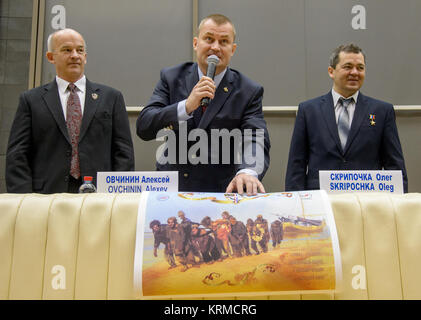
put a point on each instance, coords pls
(243, 179)
(205, 88)
(155, 253)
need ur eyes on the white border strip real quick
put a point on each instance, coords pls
(335, 242)
(138, 257)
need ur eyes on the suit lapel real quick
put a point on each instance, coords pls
(92, 99)
(360, 110)
(221, 95)
(191, 79)
(328, 111)
(53, 102)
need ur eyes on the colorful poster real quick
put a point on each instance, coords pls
(216, 244)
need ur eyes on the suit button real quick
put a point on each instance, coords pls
(186, 175)
(66, 179)
(344, 160)
(69, 153)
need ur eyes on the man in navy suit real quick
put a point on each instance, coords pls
(235, 108)
(328, 136)
(50, 148)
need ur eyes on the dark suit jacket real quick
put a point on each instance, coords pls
(237, 105)
(315, 143)
(39, 149)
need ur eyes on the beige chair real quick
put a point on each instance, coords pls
(93, 237)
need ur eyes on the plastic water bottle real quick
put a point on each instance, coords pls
(87, 186)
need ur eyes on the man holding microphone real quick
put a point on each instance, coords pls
(234, 103)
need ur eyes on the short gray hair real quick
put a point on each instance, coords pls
(50, 42)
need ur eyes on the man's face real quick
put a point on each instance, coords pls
(349, 74)
(217, 40)
(225, 215)
(171, 223)
(68, 55)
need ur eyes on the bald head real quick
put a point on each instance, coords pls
(51, 42)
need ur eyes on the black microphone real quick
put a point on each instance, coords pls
(212, 62)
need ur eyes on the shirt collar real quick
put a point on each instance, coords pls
(336, 97)
(217, 79)
(63, 84)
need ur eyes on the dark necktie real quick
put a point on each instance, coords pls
(73, 122)
(197, 115)
(343, 120)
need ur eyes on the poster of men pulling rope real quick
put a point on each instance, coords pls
(219, 244)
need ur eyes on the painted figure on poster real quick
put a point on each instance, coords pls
(223, 231)
(262, 226)
(160, 236)
(186, 223)
(251, 231)
(276, 232)
(204, 243)
(209, 224)
(257, 236)
(180, 244)
(239, 238)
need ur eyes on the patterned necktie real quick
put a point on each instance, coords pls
(343, 121)
(73, 122)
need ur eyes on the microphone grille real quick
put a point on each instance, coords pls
(213, 59)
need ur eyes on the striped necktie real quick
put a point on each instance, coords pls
(343, 121)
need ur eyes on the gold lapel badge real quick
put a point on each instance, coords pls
(94, 96)
(372, 118)
(225, 89)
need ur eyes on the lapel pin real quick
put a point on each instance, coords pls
(372, 118)
(94, 96)
(225, 89)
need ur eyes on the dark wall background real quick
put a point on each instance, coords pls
(15, 46)
(283, 44)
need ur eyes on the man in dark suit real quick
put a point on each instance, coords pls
(236, 106)
(344, 129)
(68, 128)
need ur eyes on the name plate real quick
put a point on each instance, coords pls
(389, 181)
(137, 181)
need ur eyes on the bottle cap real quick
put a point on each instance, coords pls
(87, 178)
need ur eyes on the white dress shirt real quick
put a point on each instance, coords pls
(351, 106)
(64, 93)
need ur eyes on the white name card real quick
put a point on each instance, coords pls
(389, 181)
(137, 181)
